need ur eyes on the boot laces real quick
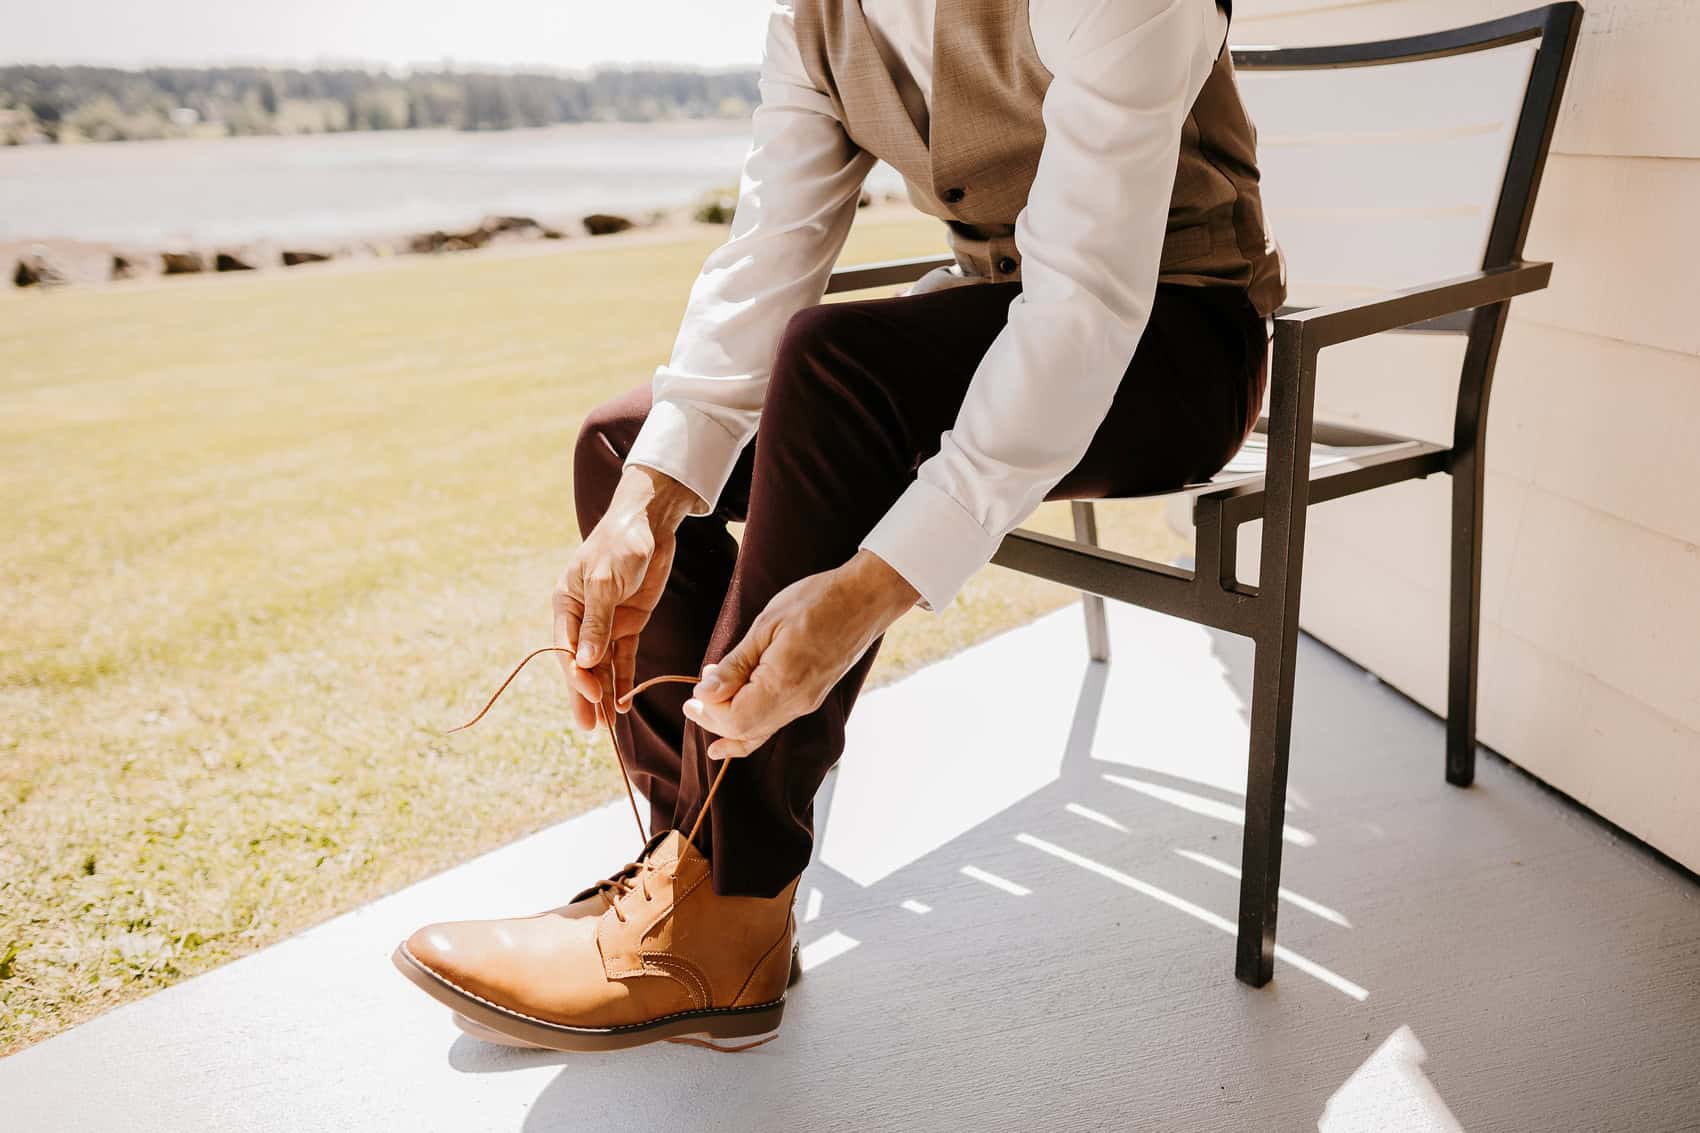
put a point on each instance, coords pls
(630, 878)
(605, 710)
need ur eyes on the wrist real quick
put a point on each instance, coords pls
(874, 577)
(664, 501)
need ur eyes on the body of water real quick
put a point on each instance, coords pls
(340, 186)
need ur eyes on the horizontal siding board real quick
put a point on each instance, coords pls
(1601, 747)
(1624, 234)
(1616, 430)
(1613, 599)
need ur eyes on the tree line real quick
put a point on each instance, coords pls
(101, 104)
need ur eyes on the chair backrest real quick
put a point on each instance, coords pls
(1406, 161)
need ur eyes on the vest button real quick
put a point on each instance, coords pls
(952, 196)
(1007, 265)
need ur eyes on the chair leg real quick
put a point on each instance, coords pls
(1292, 390)
(1097, 630)
(1466, 622)
(1266, 803)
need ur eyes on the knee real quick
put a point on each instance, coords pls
(595, 444)
(598, 459)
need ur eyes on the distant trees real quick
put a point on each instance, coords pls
(64, 104)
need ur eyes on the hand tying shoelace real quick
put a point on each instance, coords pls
(635, 874)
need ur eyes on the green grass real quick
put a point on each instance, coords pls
(265, 538)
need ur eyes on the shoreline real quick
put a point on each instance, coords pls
(91, 212)
(178, 178)
(87, 263)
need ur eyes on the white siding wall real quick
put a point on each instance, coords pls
(1591, 626)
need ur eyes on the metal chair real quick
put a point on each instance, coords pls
(1355, 460)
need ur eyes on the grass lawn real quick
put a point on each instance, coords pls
(266, 538)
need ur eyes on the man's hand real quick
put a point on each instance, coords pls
(807, 638)
(612, 583)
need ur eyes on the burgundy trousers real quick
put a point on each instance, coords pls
(860, 393)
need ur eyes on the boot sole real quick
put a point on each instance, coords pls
(515, 1029)
(485, 1034)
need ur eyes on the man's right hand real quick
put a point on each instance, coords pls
(612, 583)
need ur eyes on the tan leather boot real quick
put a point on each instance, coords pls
(651, 953)
(484, 1034)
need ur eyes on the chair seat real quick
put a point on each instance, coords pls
(1334, 448)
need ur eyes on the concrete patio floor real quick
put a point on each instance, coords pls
(1020, 918)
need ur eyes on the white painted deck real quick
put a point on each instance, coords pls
(1021, 919)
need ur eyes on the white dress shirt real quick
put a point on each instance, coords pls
(1125, 75)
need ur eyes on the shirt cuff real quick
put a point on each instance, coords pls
(933, 542)
(689, 446)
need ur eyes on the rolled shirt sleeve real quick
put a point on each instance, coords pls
(1124, 78)
(796, 201)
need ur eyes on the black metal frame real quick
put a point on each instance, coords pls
(1268, 613)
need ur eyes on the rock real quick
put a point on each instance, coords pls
(123, 267)
(295, 259)
(509, 229)
(440, 241)
(229, 261)
(864, 200)
(605, 224)
(490, 229)
(495, 224)
(181, 263)
(427, 242)
(36, 270)
(519, 228)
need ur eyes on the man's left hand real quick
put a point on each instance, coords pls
(800, 646)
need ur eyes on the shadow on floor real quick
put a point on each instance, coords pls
(1481, 959)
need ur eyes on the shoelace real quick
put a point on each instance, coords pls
(634, 874)
(605, 710)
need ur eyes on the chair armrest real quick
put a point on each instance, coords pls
(884, 274)
(1326, 326)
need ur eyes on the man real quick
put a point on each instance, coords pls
(1102, 333)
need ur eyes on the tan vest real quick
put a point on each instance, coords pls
(976, 165)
